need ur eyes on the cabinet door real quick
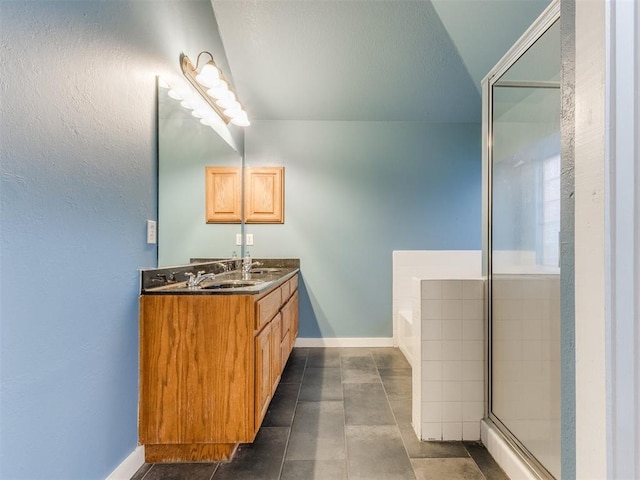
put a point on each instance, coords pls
(276, 369)
(285, 350)
(263, 374)
(264, 195)
(293, 326)
(290, 319)
(223, 195)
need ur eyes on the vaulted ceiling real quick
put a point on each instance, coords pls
(367, 60)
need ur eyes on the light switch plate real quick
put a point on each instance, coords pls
(152, 232)
(249, 238)
(238, 239)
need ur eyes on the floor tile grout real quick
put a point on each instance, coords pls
(344, 422)
(215, 469)
(395, 418)
(147, 472)
(286, 447)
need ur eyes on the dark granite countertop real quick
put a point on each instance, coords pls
(266, 275)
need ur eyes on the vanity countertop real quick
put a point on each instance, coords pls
(265, 275)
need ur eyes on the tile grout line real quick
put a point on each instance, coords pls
(147, 472)
(395, 419)
(215, 469)
(474, 461)
(344, 421)
(286, 447)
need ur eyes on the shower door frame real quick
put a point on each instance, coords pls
(543, 23)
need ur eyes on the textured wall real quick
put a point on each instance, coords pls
(78, 157)
(567, 238)
(356, 191)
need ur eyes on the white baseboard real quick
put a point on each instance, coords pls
(512, 464)
(345, 342)
(129, 465)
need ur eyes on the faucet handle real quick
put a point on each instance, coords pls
(192, 278)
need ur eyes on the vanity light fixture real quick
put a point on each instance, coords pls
(215, 91)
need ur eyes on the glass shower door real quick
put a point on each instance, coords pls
(524, 261)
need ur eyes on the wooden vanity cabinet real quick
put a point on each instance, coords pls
(209, 365)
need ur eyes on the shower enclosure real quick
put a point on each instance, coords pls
(522, 150)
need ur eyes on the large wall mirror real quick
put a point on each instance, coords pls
(185, 148)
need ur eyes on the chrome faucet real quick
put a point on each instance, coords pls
(195, 279)
(246, 269)
(247, 266)
(224, 265)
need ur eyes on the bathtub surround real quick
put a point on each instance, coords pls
(448, 364)
(438, 304)
(424, 264)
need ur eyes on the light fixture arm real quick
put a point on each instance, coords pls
(198, 59)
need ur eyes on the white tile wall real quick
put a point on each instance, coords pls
(444, 292)
(451, 359)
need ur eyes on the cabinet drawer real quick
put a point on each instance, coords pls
(286, 292)
(267, 307)
(288, 312)
(293, 284)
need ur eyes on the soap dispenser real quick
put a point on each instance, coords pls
(235, 261)
(246, 264)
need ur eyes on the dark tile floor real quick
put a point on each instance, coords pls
(341, 413)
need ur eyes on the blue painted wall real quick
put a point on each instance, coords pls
(356, 191)
(78, 158)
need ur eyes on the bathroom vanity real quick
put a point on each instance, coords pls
(211, 357)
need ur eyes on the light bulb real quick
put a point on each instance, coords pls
(209, 76)
(229, 105)
(241, 120)
(225, 97)
(219, 91)
(234, 111)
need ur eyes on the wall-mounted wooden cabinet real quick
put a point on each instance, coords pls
(223, 194)
(263, 194)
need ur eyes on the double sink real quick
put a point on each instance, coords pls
(250, 280)
(174, 280)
